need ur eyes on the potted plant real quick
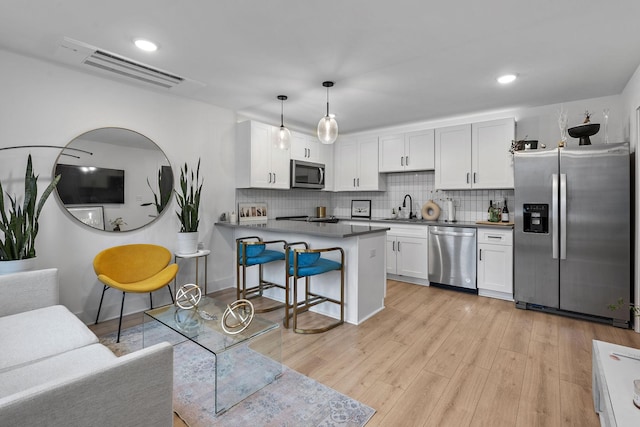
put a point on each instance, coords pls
(189, 206)
(162, 198)
(19, 224)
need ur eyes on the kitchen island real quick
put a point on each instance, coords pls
(365, 261)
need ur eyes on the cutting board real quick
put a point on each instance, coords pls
(497, 224)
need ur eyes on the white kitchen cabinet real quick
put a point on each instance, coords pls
(259, 163)
(407, 252)
(356, 165)
(305, 147)
(475, 155)
(495, 263)
(411, 151)
(492, 161)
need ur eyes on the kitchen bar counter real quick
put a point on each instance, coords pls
(365, 262)
(320, 229)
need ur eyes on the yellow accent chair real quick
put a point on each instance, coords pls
(138, 268)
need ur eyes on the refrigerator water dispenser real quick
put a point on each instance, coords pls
(535, 218)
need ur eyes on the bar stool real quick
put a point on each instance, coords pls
(252, 251)
(306, 263)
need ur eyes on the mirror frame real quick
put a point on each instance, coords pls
(144, 195)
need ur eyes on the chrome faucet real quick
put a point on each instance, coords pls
(404, 205)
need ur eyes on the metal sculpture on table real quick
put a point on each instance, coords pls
(188, 296)
(237, 317)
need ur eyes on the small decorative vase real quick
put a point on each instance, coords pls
(8, 267)
(187, 243)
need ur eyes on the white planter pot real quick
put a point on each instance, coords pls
(187, 243)
(8, 267)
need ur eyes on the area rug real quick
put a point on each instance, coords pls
(291, 400)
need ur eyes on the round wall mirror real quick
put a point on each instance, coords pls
(114, 179)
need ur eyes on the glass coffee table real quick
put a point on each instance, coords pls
(232, 367)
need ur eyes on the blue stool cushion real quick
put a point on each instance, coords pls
(263, 258)
(322, 265)
(252, 250)
(305, 259)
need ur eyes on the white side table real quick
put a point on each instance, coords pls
(197, 255)
(613, 384)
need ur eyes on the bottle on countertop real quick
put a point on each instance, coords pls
(505, 212)
(489, 210)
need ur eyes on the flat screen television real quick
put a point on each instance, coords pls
(81, 185)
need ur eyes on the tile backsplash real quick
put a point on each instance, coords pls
(471, 205)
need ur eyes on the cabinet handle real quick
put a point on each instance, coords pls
(393, 246)
(398, 246)
(406, 161)
(474, 177)
(480, 254)
(306, 152)
(274, 177)
(494, 237)
(467, 177)
(354, 182)
(269, 177)
(401, 161)
(358, 179)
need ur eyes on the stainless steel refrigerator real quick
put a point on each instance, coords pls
(573, 230)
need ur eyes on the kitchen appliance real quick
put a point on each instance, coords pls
(307, 175)
(329, 219)
(452, 256)
(573, 227)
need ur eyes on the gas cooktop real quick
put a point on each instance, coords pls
(331, 219)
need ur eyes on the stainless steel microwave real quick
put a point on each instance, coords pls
(307, 175)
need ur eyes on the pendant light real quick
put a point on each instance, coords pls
(327, 127)
(283, 139)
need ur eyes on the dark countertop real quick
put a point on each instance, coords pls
(478, 224)
(321, 229)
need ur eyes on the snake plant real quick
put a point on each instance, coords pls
(161, 200)
(19, 224)
(189, 199)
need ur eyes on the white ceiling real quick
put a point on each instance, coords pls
(393, 62)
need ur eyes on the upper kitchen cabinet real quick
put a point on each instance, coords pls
(356, 165)
(259, 163)
(305, 147)
(475, 155)
(412, 151)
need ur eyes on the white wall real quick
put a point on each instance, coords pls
(631, 104)
(43, 103)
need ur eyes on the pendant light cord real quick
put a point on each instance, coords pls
(327, 101)
(282, 98)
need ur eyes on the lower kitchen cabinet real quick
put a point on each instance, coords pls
(407, 253)
(495, 263)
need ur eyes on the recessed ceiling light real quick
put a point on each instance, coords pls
(145, 45)
(507, 78)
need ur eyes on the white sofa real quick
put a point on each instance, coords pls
(53, 371)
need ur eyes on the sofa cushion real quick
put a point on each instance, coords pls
(36, 334)
(76, 362)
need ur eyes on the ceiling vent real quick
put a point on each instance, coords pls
(78, 53)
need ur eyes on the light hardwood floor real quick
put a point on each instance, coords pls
(436, 357)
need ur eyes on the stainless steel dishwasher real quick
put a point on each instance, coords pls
(452, 256)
